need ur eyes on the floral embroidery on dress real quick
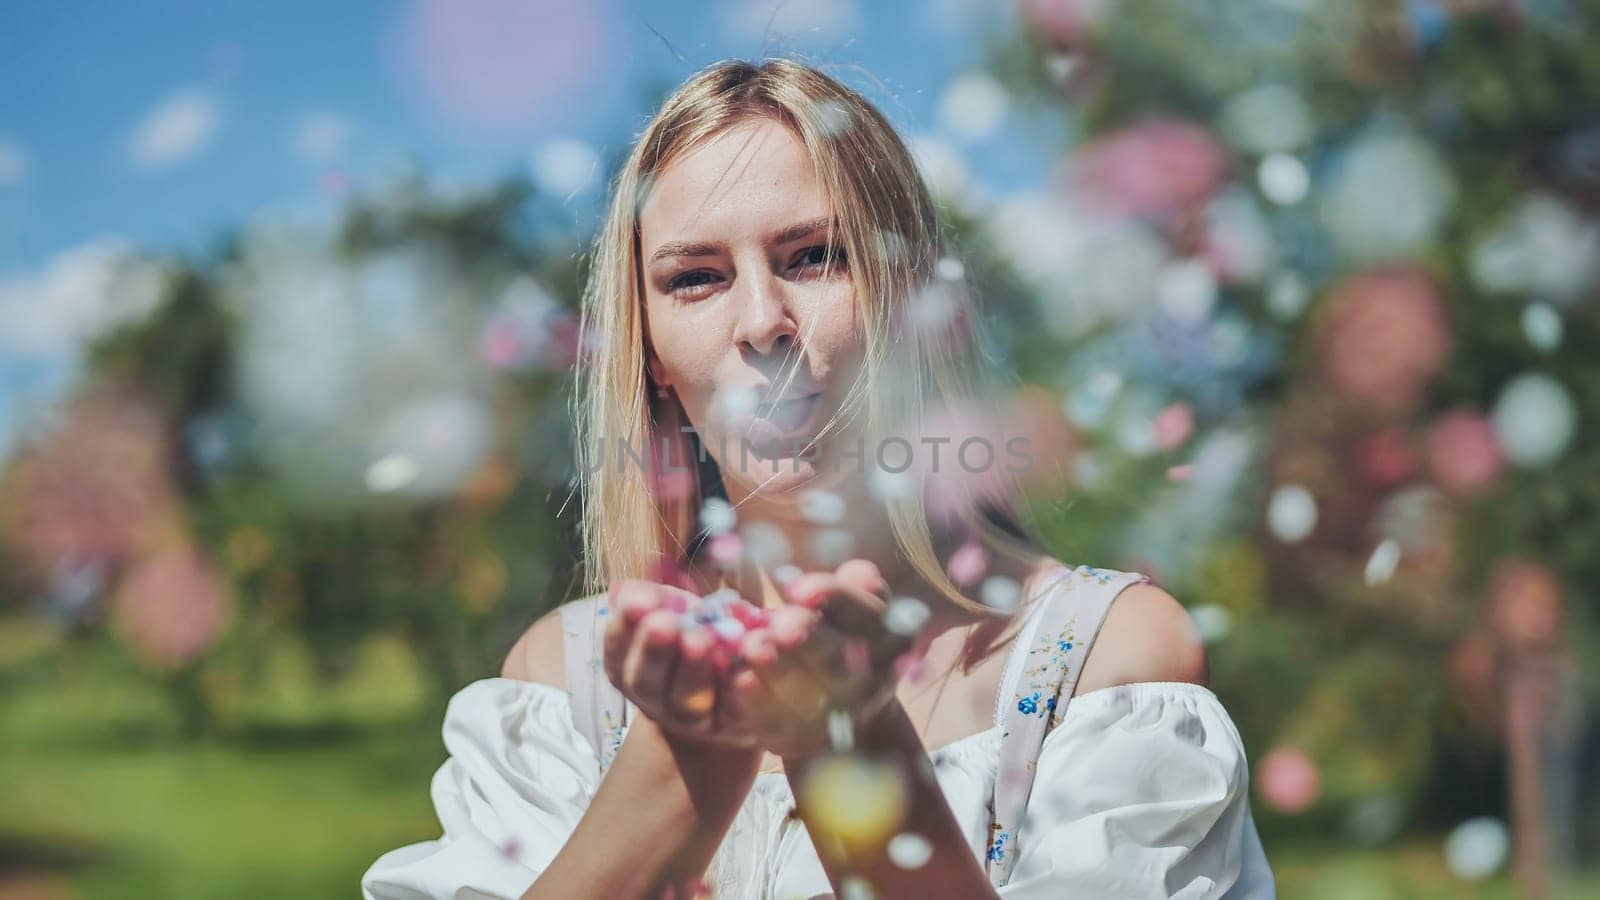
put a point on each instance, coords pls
(614, 732)
(1096, 575)
(1029, 705)
(1045, 674)
(1043, 691)
(997, 847)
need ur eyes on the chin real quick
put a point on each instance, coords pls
(780, 475)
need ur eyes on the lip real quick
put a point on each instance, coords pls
(765, 408)
(783, 419)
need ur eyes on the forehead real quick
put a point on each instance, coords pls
(737, 181)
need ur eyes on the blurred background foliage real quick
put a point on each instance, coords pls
(1303, 321)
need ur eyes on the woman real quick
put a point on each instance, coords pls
(778, 307)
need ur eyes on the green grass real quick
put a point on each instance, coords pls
(1410, 870)
(101, 796)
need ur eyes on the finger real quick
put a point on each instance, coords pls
(692, 695)
(789, 625)
(792, 683)
(803, 635)
(650, 662)
(853, 612)
(633, 598)
(629, 601)
(760, 655)
(862, 575)
(808, 589)
(617, 642)
(844, 663)
(747, 704)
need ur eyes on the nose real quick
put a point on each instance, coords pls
(765, 326)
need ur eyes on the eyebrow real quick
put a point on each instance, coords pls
(709, 248)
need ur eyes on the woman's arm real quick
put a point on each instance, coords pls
(656, 819)
(660, 812)
(952, 870)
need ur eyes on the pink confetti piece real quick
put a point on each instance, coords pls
(726, 549)
(967, 564)
(1173, 425)
(911, 667)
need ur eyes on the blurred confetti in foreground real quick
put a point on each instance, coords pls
(1288, 780)
(853, 800)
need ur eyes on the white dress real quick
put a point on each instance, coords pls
(1142, 790)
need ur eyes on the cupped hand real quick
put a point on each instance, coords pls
(828, 651)
(670, 668)
(774, 686)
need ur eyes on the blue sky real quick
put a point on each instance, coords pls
(241, 84)
(157, 126)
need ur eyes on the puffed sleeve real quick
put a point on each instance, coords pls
(518, 778)
(1141, 791)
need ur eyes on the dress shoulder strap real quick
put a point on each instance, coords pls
(599, 710)
(1076, 601)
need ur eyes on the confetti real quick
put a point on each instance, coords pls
(728, 630)
(1213, 622)
(911, 667)
(841, 731)
(1291, 513)
(822, 507)
(905, 616)
(1000, 592)
(726, 549)
(1534, 419)
(854, 887)
(852, 799)
(765, 544)
(910, 851)
(1382, 563)
(832, 546)
(1477, 848)
(967, 564)
(1289, 781)
(717, 516)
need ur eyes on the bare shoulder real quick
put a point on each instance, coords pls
(1147, 636)
(537, 655)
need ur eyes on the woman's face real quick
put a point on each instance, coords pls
(758, 341)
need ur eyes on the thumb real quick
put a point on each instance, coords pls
(862, 575)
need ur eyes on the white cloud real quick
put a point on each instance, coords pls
(13, 163)
(321, 137)
(178, 128)
(565, 166)
(81, 293)
(818, 20)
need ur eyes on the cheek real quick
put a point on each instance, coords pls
(686, 345)
(842, 336)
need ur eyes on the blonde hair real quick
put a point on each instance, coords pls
(892, 238)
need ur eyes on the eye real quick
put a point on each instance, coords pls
(691, 284)
(821, 255)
